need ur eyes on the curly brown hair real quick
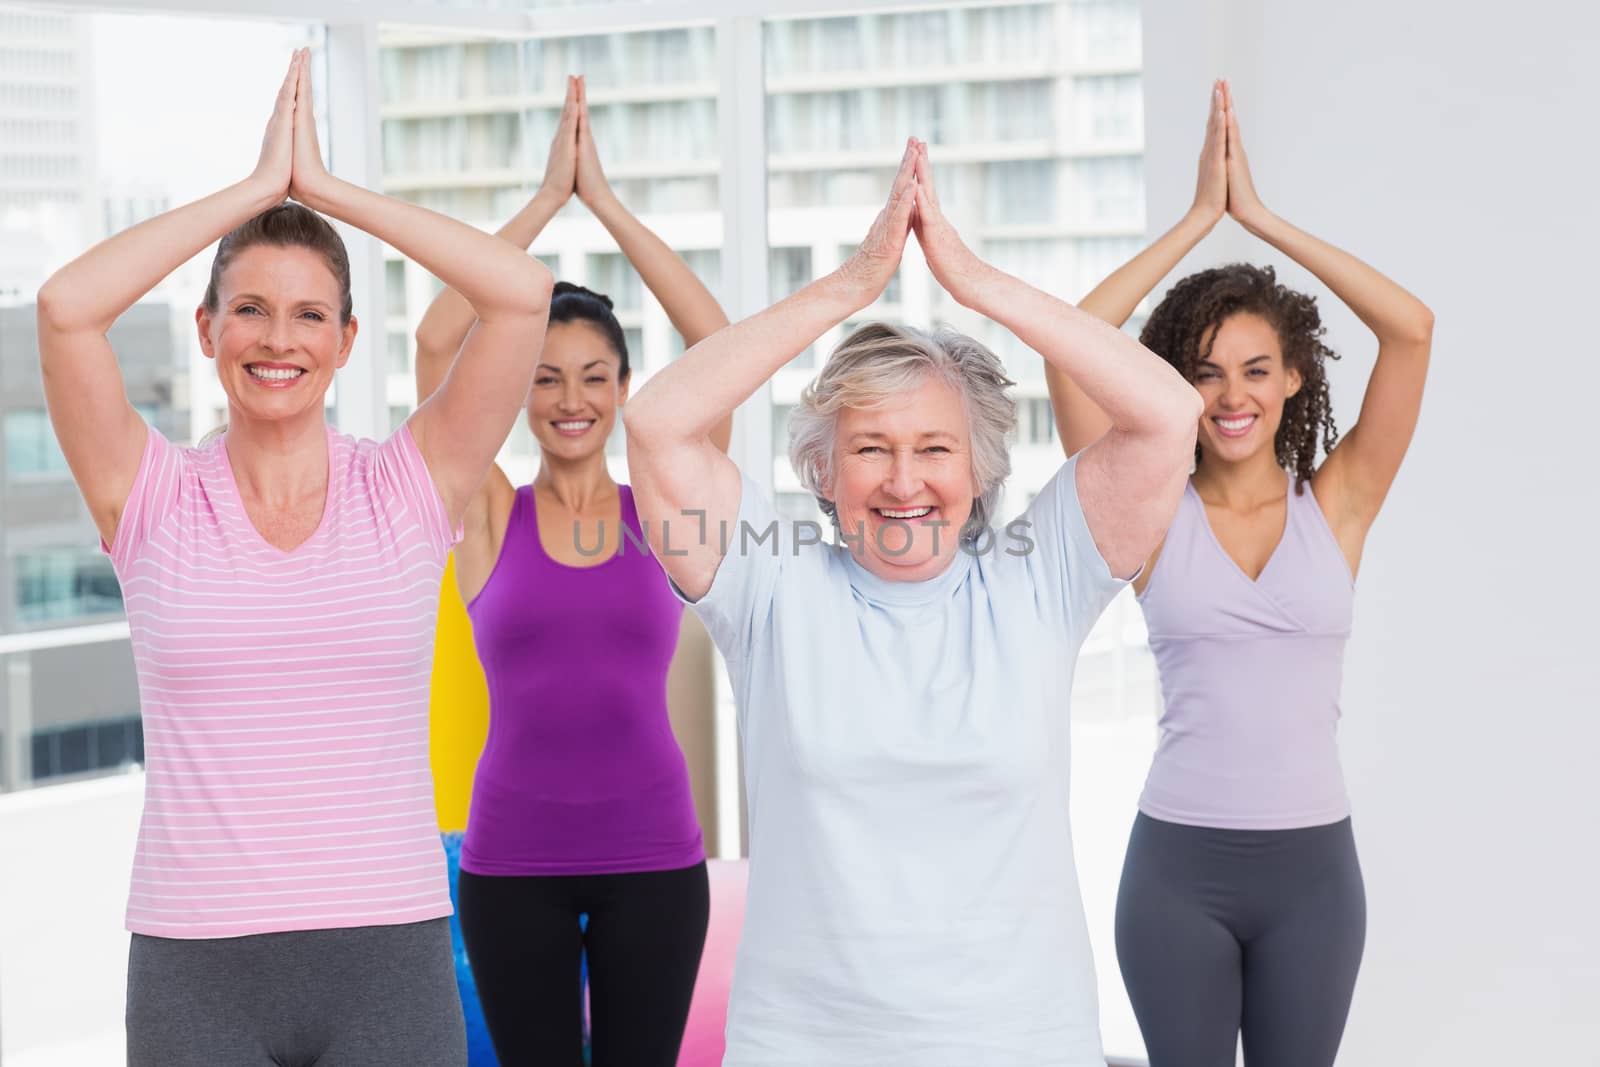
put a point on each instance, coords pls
(1182, 327)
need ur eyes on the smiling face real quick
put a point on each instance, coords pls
(902, 476)
(275, 332)
(576, 392)
(1245, 385)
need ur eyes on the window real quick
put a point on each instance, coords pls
(30, 445)
(64, 584)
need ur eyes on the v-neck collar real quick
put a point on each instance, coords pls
(1277, 549)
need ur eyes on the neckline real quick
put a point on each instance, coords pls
(906, 594)
(1283, 536)
(327, 498)
(624, 505)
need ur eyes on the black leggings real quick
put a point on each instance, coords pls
(643, 942)
(1229, 932)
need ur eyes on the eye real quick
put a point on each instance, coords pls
(596, 381)
(247, 309)
(1205, 375)
(1258, 372)
(544, 379)
(870, 450)
(314, 316)
(937, 448)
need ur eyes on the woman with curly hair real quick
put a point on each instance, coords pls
(1242, 909)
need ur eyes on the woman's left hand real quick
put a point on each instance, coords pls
(1243, 202)
(592, 185)
(955, 266)
(309, 176)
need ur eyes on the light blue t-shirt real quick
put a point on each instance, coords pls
(913, 898)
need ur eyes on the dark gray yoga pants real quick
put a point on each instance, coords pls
(383, 996)
(1223, 933)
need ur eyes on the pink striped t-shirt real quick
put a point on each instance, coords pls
(284, 696)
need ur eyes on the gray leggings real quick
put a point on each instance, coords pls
(383, 996)
(1223, 933)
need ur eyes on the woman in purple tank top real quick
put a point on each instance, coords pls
(1242, 912)
(581, 802)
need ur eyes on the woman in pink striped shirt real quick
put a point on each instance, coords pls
(289, 894)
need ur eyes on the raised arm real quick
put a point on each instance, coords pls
(1079, 419)
(461, 426)
(685, 484)
(694, 312)
(1130, 479)
(101, 434)
(449, 318)
(1356, 476)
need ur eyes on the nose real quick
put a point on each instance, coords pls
(571, 397)
(277, 337)
(1232, 397)
(903, 480)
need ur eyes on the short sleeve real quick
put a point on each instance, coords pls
(152, 500)
(399, 472)
(1062, 555)
(741, 592)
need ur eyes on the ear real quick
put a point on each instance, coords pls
(202, 322)
(1294, 380)
(347, 343)
(623, 385)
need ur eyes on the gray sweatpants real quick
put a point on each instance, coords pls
(1230, 933)
(383, 996)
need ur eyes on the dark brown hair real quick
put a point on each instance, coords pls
(289, 225)
(574, 303)
(1184, 325)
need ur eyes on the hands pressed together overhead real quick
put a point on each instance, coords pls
(1225, 186)
(913, 208)
(574, 164)
(291, 161)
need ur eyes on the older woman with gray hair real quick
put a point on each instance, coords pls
(903, 694)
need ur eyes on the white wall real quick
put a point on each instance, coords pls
(1457, 152)
(65, 856)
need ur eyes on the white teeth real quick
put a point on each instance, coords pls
(914, 513)
(1236, 424)
(275, 374)
(571, 426)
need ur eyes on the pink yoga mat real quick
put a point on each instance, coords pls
(708, 1011)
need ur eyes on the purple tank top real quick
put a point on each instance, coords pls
(581, 773)
(1250, 675)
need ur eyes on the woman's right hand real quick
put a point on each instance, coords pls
(276, 165)
(561, 170)
(1211, 190)
(870, 270)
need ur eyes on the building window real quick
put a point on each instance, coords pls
(31, 447)
(64, 584)
(88, 747)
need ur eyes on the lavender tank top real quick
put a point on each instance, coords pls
(581, 773)
(1250, 673)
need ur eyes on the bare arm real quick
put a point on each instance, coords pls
(101, 435)
(1129, 480)
(694, 312)
(449, 318)
(1078, 419)
(1356, 476)
(461, 426)
(678, 474)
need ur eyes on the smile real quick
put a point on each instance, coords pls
(573, 428)
(1235, 426)
(274, 375)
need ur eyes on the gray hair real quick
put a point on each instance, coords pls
(881, 362)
